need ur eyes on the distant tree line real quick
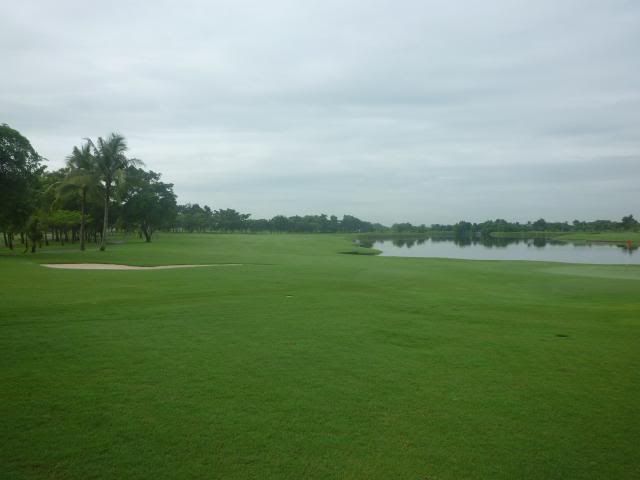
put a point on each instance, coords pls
(101, 190)
(469, 229)
(194, 218)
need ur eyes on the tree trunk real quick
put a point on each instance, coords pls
(103, 240)
(6, 242)
(147, 233)
(10, 240)
(84, 201)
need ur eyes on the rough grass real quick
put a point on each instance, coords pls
(304, 363)
(610, 237)
(605, 237)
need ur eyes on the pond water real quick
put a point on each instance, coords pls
(507, 249)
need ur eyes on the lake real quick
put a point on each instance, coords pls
(541, 250)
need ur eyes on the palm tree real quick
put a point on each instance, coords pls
(82, 178)
(110, 163)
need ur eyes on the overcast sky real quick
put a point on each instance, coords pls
(420, 111)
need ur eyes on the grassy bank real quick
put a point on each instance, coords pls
(609, 237)
(605, 237)
(305, 363)
(534, 234)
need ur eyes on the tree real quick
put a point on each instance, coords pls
(229, 220)
(34, 233)
(64, 221)
(110, 163)
(463, 229)
(148, 203)
(629, 223)
(81, 179)
(192, 217)
(353, 224)
(20, 168)
(539, 225)
(280, 223)
(402, 227)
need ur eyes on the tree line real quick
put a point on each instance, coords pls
(464, 228)
(194, 218)
(101, 190)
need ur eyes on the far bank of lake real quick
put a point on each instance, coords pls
(534, 249)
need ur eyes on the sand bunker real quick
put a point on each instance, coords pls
(113, 266)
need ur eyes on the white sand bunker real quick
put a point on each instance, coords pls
(113, 266)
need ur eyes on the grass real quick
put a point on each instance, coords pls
(604, 237)
(608, 237)
(305, 363)
(525, 235)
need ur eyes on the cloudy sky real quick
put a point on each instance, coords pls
(420, 111)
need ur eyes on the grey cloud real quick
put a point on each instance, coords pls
(420, 111)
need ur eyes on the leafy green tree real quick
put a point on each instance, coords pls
(402, 227)
(334, 224)
(34, 233)
(64, 221)
(192, 217)
(463, 230)
(49, 198)
(20, 168)
(148, 203)
(353, 224)
(539, 224)
(280, 223)
(229, 220)
(629, 223)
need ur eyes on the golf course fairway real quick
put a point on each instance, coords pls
(306, 363)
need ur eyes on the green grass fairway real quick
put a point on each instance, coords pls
(304, 363)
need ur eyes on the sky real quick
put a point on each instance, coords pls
(393, 111)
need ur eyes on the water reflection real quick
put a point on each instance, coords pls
(489, 248)
(408, 242)
(489, 242)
